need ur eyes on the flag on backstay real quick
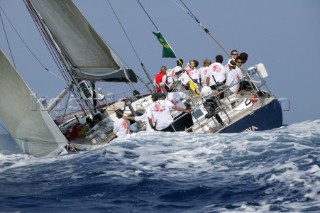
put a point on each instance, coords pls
(167, 51)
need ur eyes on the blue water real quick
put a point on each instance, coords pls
(271, 171)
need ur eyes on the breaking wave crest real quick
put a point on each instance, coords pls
(276, 170)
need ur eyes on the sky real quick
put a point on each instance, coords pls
(281, 34)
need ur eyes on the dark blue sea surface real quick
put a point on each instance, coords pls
(271, 171)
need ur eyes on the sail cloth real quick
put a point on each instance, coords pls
(90, 57)
(24, 117)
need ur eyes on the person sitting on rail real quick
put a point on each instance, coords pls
(240, 60)
(234, 54)
(217, 73)
(204, 72)
(171, 74)
(233, 77)
(194, 72)
(160, 80)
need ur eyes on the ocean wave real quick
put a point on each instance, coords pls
(276, 170)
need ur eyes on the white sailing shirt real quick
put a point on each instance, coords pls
(204, 73)
(187, 69)
(233, 81)
(218, 71)
(159, 112)
(239, 72)
(144, 119)
(184, 78)
(176, 98)
(171, 75)
(194, 74)
(121, 127)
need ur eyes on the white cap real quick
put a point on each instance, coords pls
(206, 91)
(229, 63)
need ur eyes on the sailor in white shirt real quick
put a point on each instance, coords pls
(183, 77)
(182, 121)
(204, 72)
(159, 112)
(244, 57)
(239, 64)
(233, 78)
(143, 118)
(217, 73)
(121, 126)
(176, 98)
(244, 83)
(187, 68)
(194, 73)
(171, 73)
(234, 55)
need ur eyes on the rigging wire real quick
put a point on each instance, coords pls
(46, 36)
(136, 53)
(188, 11)
(151, 20)
(148, 16)
(23, 40)
(27, 46)
(8, 43)
(124, 30)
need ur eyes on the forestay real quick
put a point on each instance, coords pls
(26, 119)
(91, 58)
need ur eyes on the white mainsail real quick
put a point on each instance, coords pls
(25, 118)
(91, 58)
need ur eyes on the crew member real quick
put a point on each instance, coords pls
(121, 126)
(159, 113)
(160, 80)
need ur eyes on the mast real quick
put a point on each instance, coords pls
(81, 53)
(63, 64)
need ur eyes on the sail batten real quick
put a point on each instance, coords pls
(90, 57)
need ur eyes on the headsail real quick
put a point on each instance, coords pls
(25, 118)
(90, 57)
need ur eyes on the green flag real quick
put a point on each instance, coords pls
(167, 52)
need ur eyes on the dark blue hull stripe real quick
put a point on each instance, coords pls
(267, 117)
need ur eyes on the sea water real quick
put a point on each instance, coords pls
(270, 171)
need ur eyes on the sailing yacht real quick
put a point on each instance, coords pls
(84, 59)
